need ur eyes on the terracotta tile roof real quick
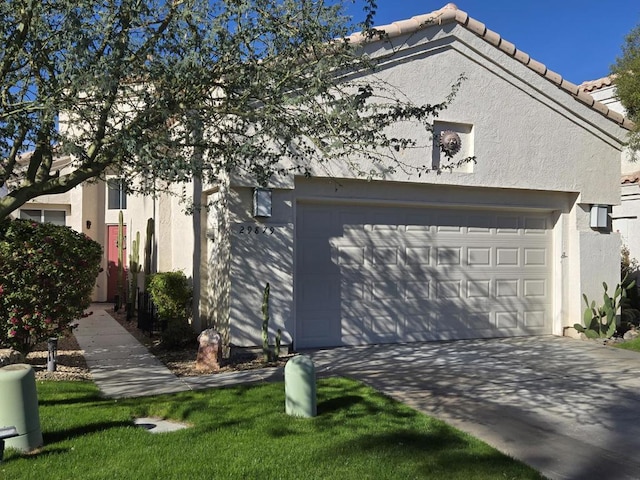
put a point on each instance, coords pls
(450, 13)
(630, 178)
(592, 85)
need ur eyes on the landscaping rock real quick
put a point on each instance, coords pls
(631, 334)
(209, 351)
(8, 356)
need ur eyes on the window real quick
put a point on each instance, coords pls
(116, 194)
(57, 217)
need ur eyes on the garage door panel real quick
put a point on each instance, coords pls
(478, 256)
(507, 320)
(506, 288)
(409, 274)
(417, 290)
(385, 255)
(535, 257)
(507, 257)
(447, 289)
(384, 290)
(536, 287)
(479, 320)
(454, 323)
(418, 256)
(382, 325)
(535, 319)
(447, 256)
(479, 289)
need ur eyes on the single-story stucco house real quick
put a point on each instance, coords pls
(502, 247)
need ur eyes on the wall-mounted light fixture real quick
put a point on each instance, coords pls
(261, 202)
(88, 223)
(599, 216)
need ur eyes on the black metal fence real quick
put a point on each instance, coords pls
(148, 320)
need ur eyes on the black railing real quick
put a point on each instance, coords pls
(148, 320)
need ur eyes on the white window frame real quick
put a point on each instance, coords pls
(121, 192)
(43, 212)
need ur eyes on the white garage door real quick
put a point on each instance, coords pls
(379, 274)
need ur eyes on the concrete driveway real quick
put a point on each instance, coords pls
(569, 408)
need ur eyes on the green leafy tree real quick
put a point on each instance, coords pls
(627, 79)
(47, 273)
(165, 90)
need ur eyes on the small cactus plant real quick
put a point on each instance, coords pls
(601, 321)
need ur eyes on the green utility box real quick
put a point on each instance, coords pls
(300, 387)
(19, 406)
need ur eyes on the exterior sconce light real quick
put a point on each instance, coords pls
(599, 216)
(262, 202)
(88, 223)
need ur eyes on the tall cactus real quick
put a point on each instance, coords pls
(120, 245)
(265, 324)
(148, 245)
(134, 270)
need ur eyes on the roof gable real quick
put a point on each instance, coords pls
(451, 14)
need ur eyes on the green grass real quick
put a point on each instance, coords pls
(629, 345)
(243, 433)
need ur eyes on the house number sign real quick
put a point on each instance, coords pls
(256, 229)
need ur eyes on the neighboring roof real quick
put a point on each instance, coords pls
(450, 13)
(591, 85)
(630, 178)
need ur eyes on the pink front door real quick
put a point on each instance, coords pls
(112, 262)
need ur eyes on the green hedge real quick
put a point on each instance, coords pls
(171, 293)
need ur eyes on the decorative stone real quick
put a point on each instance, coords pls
(450, 142)
(209, 351)
(631, 334)
(8, 356)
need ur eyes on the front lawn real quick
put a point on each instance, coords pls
(629, 345)
(243, 433)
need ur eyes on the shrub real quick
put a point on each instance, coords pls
(630, 306)
(47, 274)
(171, 293)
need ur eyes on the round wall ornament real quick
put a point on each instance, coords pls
(450, 142)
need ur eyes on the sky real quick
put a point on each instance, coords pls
(579, 39)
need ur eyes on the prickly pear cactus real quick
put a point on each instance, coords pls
(601, 321)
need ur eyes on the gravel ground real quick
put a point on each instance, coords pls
(181, 361)
(70, 361)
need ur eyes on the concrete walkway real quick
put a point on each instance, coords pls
(569, 408)
(122, 367)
